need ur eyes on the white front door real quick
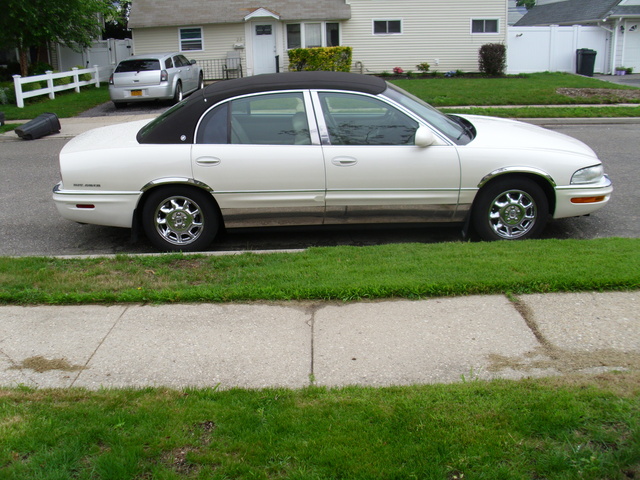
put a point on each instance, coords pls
(264, 47)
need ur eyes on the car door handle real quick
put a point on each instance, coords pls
(208, 161)
(344, 161)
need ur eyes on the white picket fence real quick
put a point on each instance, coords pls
(97, 73)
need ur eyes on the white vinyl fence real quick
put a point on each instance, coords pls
(553, 48)
(72, 81)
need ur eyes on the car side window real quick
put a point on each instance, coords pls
(168, 63)
(214, 126)
(185, 62)
(272, 119)
(354, 119)
(177, 62)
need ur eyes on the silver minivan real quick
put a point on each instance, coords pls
(158, 76)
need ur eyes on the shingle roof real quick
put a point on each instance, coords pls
(627, 11)
(162, 13)
(568, 12)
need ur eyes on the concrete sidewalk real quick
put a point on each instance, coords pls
(296, 344)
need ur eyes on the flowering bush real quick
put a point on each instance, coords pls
(398, 70)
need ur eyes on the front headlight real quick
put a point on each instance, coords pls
(588, 175)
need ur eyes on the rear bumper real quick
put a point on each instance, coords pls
(141, 93)
(114, 209)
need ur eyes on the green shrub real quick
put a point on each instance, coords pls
(493, 59)
(62, 81)
(39, 68)
(7, 96)
(335, 59)
(423, 67)
(30, 87)
(85, 77)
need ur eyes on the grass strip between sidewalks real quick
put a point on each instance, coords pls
(343, 273)
(560, 428)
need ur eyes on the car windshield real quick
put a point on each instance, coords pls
(457, 130)
(138, 66)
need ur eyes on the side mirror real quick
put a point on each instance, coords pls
(192, 62)
(424, 137)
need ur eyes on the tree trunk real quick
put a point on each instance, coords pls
(24, 62)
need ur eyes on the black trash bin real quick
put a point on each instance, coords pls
(585, 61)
(42, 125)
(1, 119)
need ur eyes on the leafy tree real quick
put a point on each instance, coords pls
(26, 24)
(117, 25)
(526, 3)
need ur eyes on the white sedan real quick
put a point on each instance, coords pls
(310, 148)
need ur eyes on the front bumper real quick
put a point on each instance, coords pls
(113, 209)
(568, 199)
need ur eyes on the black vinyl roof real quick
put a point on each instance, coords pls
(178, 124)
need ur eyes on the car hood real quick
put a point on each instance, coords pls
(494, 132)
(114, 136)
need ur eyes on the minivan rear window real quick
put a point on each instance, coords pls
(138, 66)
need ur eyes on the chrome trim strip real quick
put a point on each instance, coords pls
(177, 180)
(504, 170)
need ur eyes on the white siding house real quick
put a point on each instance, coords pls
(383, 34)
(444, 33)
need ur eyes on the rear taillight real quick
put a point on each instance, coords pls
(111, 79)
(164, 76)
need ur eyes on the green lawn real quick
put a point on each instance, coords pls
(66, 104)
(532, 89)
(567, 428)
(343, 273)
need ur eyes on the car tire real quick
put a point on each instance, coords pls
(119, 105)
(180, 218)
(177, 96)
(513, 208)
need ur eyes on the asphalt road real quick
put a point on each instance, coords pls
(30, 224)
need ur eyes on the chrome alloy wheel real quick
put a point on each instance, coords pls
(512, 214)
(179, 220)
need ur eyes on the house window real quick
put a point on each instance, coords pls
(310, 35)
(484, 26)
(332, 34)
(313, 35)
(191, 39)
(387, 27)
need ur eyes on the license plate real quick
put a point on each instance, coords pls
(136, 93)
